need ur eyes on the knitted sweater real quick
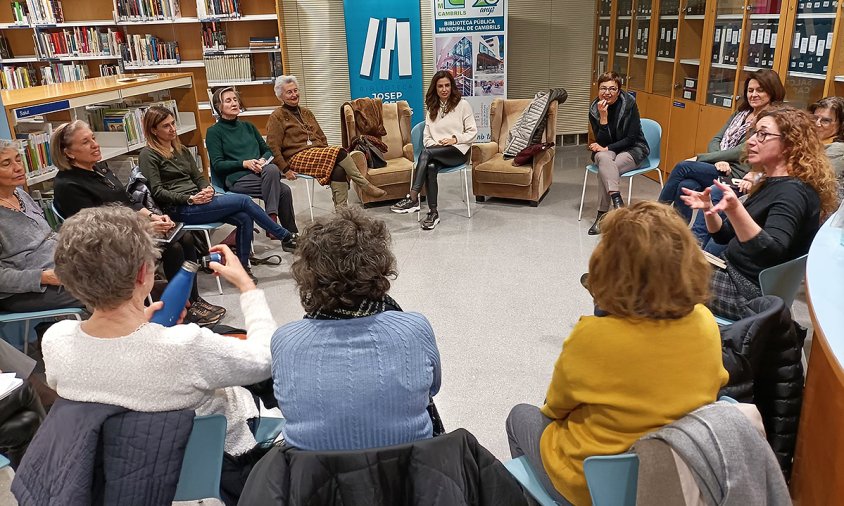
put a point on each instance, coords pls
(173, 180)
(27, 244)
(617, 380)
(157, 368)
(459, 122)
(229, 143)
(358, 383)
(287, 133)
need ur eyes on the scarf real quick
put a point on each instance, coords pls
(736, 131)
(366, 307)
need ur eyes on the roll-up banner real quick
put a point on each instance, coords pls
(384, 48)
(470, 40)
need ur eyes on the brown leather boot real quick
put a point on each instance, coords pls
(340, 193)
(373, 191)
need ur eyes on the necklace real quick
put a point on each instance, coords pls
(10, 204)
(305, 127)
(443, 112)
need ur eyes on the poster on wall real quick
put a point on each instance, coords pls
(384, 49)
(470, 40)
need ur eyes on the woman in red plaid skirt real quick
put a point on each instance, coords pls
(299, 146)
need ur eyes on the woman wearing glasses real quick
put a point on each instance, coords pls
(782, 214)
(620, 144)
(828, 114)
(84, 181)
(761, 89)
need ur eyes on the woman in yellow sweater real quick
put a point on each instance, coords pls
(652, 360)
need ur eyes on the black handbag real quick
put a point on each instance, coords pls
(374, 157)
(436, 421)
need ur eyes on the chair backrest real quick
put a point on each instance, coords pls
(4, 461)
(416, 139)
(612, 479)
(268, 429)
(217, 183)
(526, 476)
(784, 280)
(56, 211)
(203, 462)
(653, 136)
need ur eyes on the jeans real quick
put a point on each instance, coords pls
(234, 209)
(692, 175)
(431, 160)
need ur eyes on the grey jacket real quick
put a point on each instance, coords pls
(731, 155)
(730, 460)
(26, 248)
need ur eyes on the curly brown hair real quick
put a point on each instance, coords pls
(342, 260)
(805, 154)
(432, 100)
(648, 264)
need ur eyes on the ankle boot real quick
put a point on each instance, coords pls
(595, 229)
(616, 199)
(340, 193)
(354, 174)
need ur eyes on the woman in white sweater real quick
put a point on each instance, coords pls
(106, 258)
(449, 131)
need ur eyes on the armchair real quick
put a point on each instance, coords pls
(395, 177)
(493, 176)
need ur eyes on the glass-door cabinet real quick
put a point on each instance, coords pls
(689, 49)
(667, 25)
(621, 56)
(640, 33)
(837, 85)
(602, 39)
(726, 41)
(808, 56)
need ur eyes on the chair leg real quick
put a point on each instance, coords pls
(26, 337)
(219, 286)
(310, 192)
(659, 173)
(582, 195)
(630, 191)
(466, 190)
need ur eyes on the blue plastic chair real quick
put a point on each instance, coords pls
(4, 462)
(268, 429)
(521, 470)
(56, 212)
(653, 136)
(203, 461)
(76, 312)
(416, 135)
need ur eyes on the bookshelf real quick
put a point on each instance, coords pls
(112, 105)
(174, 30)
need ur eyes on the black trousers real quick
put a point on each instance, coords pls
(54, 297)
(21, 414)
(278, 199)
(431, 160)
(174, 255)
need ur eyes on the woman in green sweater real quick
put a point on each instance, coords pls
(240, 160)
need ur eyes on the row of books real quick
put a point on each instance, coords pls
(13, 78)
(264, 42)
(812, 42)
(213, 36)
(725, 44)
(38, 12)
(762, 43)
(230, 67)
(603, 42)
(35, 152)
(126, 117)
(667, 43)
(606, 7)
(816, 6)
(669, 8)
(26, 76)
(624, 7)
(63, 73)
(141, 10)
(76, 41)
(622, 36)
(641, 42)
(5, 48)
(150, 50)
(695, 7)
(217, 8)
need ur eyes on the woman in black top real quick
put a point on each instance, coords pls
(85, 181)
(620, 144)
(780, 218)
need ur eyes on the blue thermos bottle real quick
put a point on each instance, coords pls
(176, 295)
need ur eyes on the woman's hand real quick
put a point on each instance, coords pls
(448, 141)
(48, 277)
(253, 165)
(723, 167)
(697, 200)
(290, 175)
(747, 182)
(603, 109)
(729, 202)
(232, 271)
(161, 227)
(596, 147)
(157, 305)
(204, 196)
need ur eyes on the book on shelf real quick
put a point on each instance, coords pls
(264, 42)
(217, 8)
(143, 50)
(20, 13)
(126, 117)
(16, 77)
(34, 148)
(78, 41)
(48, 12)
(63, 72)
(109, 69)
(5, 48)
(146, 10)
(276, 67)
(230, 67)
(213, 36)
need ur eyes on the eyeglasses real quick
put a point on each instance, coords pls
(604, 89)
(820, 120)
(762, 136)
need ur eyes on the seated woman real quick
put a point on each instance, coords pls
(180, 187)
(21, 411)
(762, 89)
(654, 358)
(620, 143)
(449, 133)
(239, 157)
(828, 114)
(27, 279)
(106, 257)
(299, 146)
(779, 219)
(84, 180)
(356, 372)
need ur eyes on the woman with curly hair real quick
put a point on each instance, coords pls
(356, 372)
(782, 214)
(654, 358)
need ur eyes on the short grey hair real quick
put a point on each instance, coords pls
(281, 82)
(99, 253)
(60, 140)
(9, 144)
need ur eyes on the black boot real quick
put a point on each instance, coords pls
(616, 199)
(595, 229)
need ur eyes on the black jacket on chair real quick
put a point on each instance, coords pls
(762, 353)
(449, 470)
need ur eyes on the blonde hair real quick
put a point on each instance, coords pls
(648, 264)
(152, 118)
(60, 141)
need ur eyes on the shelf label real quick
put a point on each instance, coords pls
(37, 110)
(679, 104)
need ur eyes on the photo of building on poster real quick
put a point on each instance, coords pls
(489, 66)
(455, 55)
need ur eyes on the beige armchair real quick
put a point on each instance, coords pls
(395, 177)
(493, 176)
